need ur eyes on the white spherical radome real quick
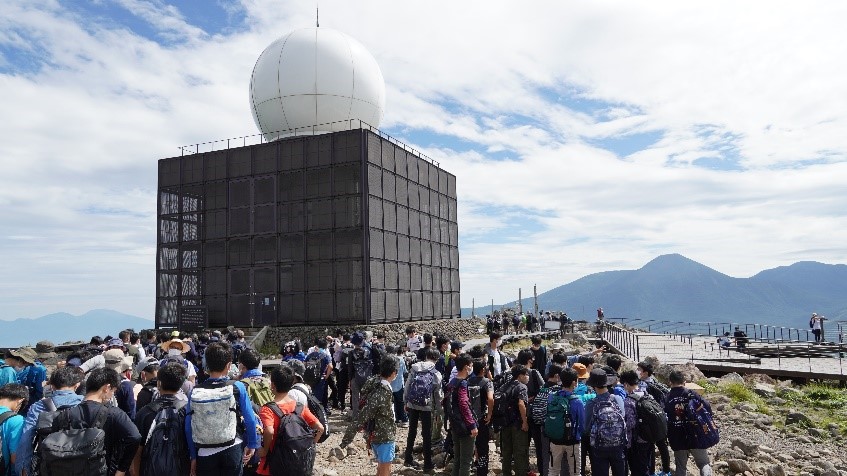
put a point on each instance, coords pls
(315, 80)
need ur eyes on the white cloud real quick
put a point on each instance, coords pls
(547, 86)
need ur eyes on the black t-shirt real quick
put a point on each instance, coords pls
(539, 361)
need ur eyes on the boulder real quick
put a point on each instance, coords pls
(751, 379)
(818, 433)
(352, 450)
(338, 453)
(749, 449)
(738, 466)
(775, 470)
(764, 389)
(731, 378)
(797, 418)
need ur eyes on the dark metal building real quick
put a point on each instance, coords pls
(348, 228)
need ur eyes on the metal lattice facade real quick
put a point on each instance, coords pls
(347, 227)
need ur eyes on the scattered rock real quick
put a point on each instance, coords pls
(775, 470)
(818, 433)
(731, 378)
(749, 449)
(338, 453)
(352, 450)
(765, 390)
(797, 418)
(738, 466)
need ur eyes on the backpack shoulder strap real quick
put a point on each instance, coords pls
(49, 404)
(275, 408)
(102, 416)
(298, 409)
(6, 415)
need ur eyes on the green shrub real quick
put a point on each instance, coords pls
(738, 392)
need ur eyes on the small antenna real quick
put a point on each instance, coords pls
(318, 16)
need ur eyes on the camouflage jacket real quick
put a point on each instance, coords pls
(379, 408)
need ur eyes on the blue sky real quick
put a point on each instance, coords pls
(581, 134)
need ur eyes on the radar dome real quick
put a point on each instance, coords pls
(315, 80)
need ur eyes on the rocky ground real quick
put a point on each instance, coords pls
(768, 428)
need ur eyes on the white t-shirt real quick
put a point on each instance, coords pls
(414, 343)
(816, 323)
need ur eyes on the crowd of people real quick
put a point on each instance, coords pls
(175, 403)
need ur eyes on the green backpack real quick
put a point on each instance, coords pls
(258, 390)
(558, 426)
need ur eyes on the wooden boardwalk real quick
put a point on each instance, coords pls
(705, 353)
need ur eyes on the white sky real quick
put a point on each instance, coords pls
(585, 136)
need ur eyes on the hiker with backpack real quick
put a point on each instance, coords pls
(219, 418)
(538, 414)
(163, 449)
(511, 417)
(318, 371)
(107, 442)
(342, 380)
(461, 417)
(484, 408)
(691, 429)
(13, 397)
(648, 385)
(175, 350)
(498, 363)
(257, 384)
(290, 430)
(125, 394)
(563, 421)
(359, 370)
(64, 382)
(30, 373)
(422, 395)
(605, 426)
(646, 423)
(398, 386)
(376, 417)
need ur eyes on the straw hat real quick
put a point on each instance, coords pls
(167, 345)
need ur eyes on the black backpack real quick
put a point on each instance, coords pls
(651, 420)
(478, 392)
(43, 428)
(312, 375)
(658, 391)
(501, 416)
(362, 365)
(165, 449)
(293, 451)
(74, 448)
(454, 414)
(317, 409)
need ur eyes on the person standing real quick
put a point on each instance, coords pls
(816, 323)
(514, 438)
(463, 423)
(605, 426)
(397, 386)
(30, 373)
(13, 397)
(564, 452)
(214, 440)
(486, 393)
(422, 393)
(679, 398)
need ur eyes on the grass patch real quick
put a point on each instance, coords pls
(738, 392)
(708, 386)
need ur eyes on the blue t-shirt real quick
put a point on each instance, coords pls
(11, 429)
(8, 374)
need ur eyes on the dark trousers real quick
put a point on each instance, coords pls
(222, 463)
(604, 459)
(664, 453)
(400, 407)
(426, 429)
(463, 447)
(320, 392)
(817, 333)
(535, 436)
(339, 394)
(639, 458)
(481, 445)
(585, 451)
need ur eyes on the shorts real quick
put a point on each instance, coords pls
(384, 451)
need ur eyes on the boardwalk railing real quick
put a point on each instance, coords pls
(764, 354)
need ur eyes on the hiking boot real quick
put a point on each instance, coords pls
(403, 424)
(413, 464)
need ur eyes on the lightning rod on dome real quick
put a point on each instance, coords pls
(318, 15)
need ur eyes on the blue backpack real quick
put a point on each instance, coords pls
(702, 432)
(608, 426)
(420, 390)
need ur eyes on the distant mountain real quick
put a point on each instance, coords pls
(675, 288)
(63, 327)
